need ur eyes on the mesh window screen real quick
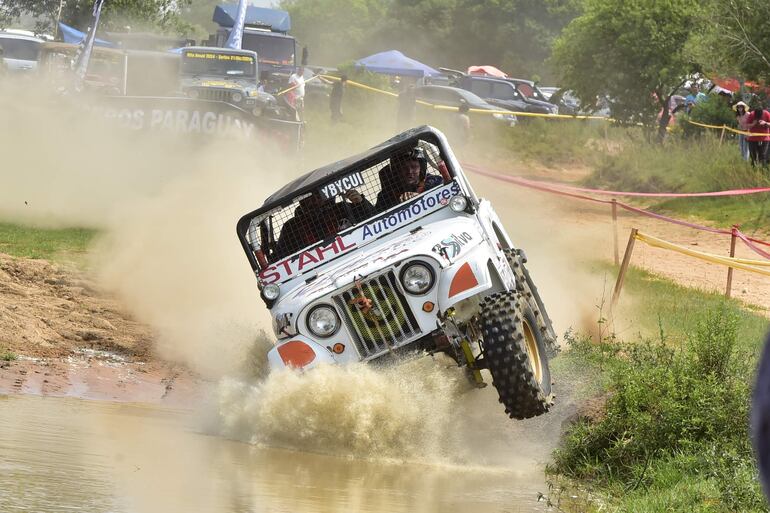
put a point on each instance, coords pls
(346, 200)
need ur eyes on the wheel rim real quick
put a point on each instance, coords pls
(533, 352)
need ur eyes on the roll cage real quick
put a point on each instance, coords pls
(259, 231)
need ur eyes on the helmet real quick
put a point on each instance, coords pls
(418, 154)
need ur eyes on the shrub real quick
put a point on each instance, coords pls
(684, 409)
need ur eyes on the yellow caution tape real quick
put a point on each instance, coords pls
(754, 266)
(478, 111)
(723, 127)
(296, 86)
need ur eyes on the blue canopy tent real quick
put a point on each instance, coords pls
(74, 36)
(274, 19)
(394, 62)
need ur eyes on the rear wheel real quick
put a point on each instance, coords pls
(515, 354)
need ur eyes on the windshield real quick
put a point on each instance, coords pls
(220, 64)
(415, 175)
(22, 49)
(270, 49)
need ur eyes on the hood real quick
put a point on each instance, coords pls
(426, 242)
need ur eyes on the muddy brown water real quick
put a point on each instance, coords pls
(63, 454)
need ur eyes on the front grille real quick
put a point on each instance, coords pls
(220, 95)
(387, 325)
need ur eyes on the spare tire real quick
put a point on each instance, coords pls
(515, 353)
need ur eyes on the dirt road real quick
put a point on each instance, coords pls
(61, 336)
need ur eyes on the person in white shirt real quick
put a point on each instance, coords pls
(297, 80)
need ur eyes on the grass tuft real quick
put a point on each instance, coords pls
(64, 244)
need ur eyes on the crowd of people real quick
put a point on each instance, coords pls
(755, 144)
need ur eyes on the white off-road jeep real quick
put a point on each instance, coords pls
(390, 253)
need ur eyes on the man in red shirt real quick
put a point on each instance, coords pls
(759, 123)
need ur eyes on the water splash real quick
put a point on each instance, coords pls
(399, 412)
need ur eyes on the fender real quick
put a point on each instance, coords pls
(298, 352)
(466, 277)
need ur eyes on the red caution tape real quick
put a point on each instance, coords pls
(566, 190)
(731, 192)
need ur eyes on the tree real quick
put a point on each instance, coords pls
(735, 38)
(515, 35)
(630, 51)
(154, 15)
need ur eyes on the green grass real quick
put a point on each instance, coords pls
(689, 165)
(675, 433)
(62, 245)
(7, 356)
(750, 212)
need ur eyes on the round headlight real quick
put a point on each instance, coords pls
(322, 321)
(236, 96)
(271, 292)
(417, 279)
(193, 93)
(458, 203)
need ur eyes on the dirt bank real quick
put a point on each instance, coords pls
(61, 336)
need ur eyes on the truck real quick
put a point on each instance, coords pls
(226, 75)
(391, 254)
(266, 32)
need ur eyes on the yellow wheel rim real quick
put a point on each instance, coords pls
(533, 353)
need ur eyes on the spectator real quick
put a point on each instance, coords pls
(407, 105)
(463, 124)
(741, 117)
(297, 98)
(695, 96)
(335, 98)
(758, 122)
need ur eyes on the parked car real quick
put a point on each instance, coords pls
(512, 94)
(548, 91)
(451, 96)
(21, 52)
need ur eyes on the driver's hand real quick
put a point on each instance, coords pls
(354, 196)
(408, 195)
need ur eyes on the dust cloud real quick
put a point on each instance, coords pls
(167, 209)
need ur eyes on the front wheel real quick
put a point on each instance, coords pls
(527, 288)
(515, 354)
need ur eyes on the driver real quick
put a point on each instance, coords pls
(405, 177)
(318, 217)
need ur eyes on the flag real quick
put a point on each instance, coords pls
(81, 67)
(236, 34)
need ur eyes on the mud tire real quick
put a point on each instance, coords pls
(528, 290)
(508, 325)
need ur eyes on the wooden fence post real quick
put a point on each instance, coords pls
(734, 236)
(722, 137)
(623, 268)
(615, 229)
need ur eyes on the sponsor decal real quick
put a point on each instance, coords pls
(181, 120)
(304, 261)
(218, 57)
(342, 185)
(450, 247)
(427, 202)
(313, 257)
(215, 83)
